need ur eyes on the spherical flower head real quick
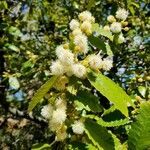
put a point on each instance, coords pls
(79, 70)
(122, 14)
(126, 29)
(64, 55)
(111, 19)
(106, 28)
(68, 70)
(115, 27)
(60, 103)
(77, 32)
(86, 27)
(78, 127)
(121, 39)
(74, 24)
(59, 115)
(107, 64)
(47, 111)
(59, 50)
(95, 61)
(66, 46)
(57, 68)
(85, 15)
(82, 42)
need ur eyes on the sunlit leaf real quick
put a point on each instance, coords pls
(100, 31)
(142, 90)
(99, 135)
(14, 31)
(41, 146)
(139, 134)
(12, 47)
(111, 91)
(41, 92)
(103, 123)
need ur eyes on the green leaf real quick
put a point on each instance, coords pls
(41, 146)
(41, 92)
(132, 10)
(135, 4)
(100, 31)
(107, 111)
(142, 90)
(88, 99)
(98, 135)
(3, 5)
(111, 91)
(14, 31)
(95, 41)
(81, 146)
(108, 49)
(12, 47)
(85, 100)
(103, 123)
(27, 64)
(139, 134)
(118, 145)
(91, 3)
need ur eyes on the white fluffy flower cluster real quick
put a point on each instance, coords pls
(56, 115)
(66, 64)
(74, 24)
(86, 16)
(78, 127)
(117, 23)
(81, 30)
(96, 62)
(122, 14)
(47, 111)
(107, 63)
(116, 27)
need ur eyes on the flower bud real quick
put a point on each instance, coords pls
(111, 19)
(106, 28)
(126, 29)
(140, 80)
(124, 23)
(148, 78)
(66, 46)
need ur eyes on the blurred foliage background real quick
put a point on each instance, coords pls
(30, 31)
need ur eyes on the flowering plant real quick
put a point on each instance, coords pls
(75, 111)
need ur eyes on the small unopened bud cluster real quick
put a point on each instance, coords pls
(118, 23)
(56, 115)
(96, 62)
